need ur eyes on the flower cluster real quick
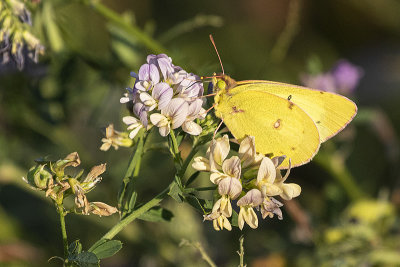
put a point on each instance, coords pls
(253, 177)
(16, 37)
(165, 96)
(343, 78)
(51, 178)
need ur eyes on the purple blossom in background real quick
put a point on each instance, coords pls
(325, 82)
(16, 40)
(343, 78)
(347, 76)
(165, 96)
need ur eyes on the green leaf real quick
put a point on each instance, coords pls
(192, 178)
(84, 259)
(107, 249)
(234, 221)
(157, 214)
(75, 247)
(201, 205)
(176, 193)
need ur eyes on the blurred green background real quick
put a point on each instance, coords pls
(61, 105)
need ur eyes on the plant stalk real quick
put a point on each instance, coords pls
(60, 209)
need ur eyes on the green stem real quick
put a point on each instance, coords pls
(281, 46)
(60, 209)
(241, 251)
(131, 217)
(174, 143)
(199, 247)
(336, 167)
(130, 29)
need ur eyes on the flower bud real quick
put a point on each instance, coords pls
(39, 177)
(71, 160)
(102, 209)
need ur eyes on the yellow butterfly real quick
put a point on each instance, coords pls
(285, 119)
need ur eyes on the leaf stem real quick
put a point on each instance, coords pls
(174, 144)
(131, 172)
(199, 247)
(60, 210)
(241, 251)
(132, 216)
(337, 168)
(116, 18)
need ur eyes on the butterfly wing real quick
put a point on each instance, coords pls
(279, 126)
(330, 112)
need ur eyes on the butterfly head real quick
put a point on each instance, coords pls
(222, 83)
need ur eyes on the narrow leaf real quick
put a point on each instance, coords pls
(107, 249)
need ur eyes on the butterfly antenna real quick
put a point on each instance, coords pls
(213, 94)
(216, 50)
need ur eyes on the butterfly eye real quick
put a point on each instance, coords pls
(221, 85)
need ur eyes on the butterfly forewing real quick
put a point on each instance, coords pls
(330, 112)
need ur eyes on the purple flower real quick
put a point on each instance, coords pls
(343, 78)
(190, 87)
(148, 76)
(324, 82)
(140, 110)
(163, 93)
(169, 89)
(347, 76)
(162, 62)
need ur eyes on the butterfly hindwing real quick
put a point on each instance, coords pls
(280, 127)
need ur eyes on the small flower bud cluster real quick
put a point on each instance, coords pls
(250, 177)
(50, 177)
(115, 139)
(343, 78)
(15, 35)
(165, 96)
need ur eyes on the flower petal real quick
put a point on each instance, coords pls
(177, 110)
(217, 176)
(267, 171)
(164, 130)
(230, 186)
(247, 151)
(191, 128)
(158, 119)
(251, 218)
(219, 150)
(128, 120)
(163, 93)
(290, 191)
(201, 164)
(232, 167)
(134, 132)
(252, 198)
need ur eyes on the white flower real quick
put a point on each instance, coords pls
(133, 124)
(129, 96)
(247, 152)
(148, 101)
(253, 198)
(201, 164)
(219, 150)
(266, 178)
(230, 168)
(271, 206)
(189, 125)
(289, 191)
(221, 211)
